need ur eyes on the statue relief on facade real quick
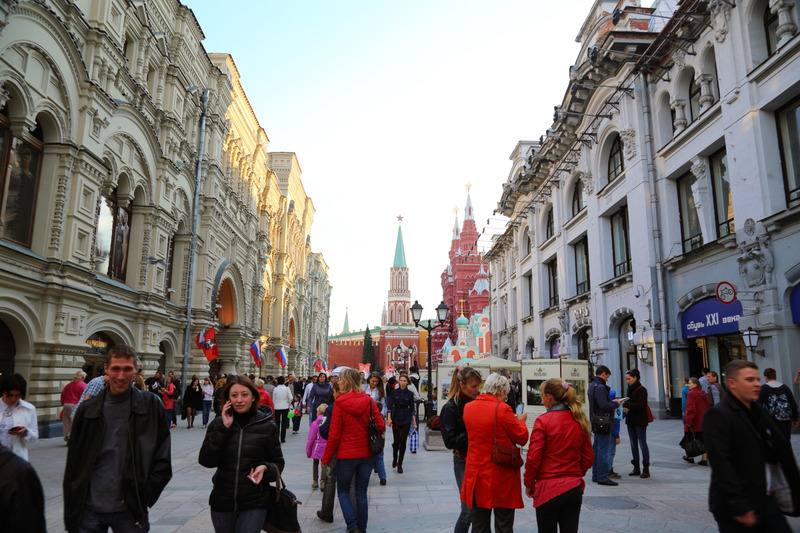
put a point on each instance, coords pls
(629, 142)
(720, 14)
(756, 261)
(588, 182)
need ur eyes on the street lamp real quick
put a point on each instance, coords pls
(750, 338)
(441, 316)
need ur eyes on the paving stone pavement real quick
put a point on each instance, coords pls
(425, 497)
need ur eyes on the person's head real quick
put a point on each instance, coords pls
(242, 394)
(466, 380)
(314, 379)
(497, 386)
(259, 383)
(336, 390)
(170, 379)
(336, 377)
(743, 380)
(556, 390)
(281, 380)
(713, 377)
(685, 381)
(172, 375)
(602, 371)
(80, 375)
(705, 371)
(206, 381)
(195, 382)
(252, 377)
(505, 373)
(290, 378)
(632, 376)
(390, 382)
(321, 409)
(693, 382)
(770, 374)
(121, 364)
(349, 380)
(403, 381)
(157, 375)
(13, 388)
(322, 377)
(414, 369)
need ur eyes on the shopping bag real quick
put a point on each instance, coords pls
(413, 442)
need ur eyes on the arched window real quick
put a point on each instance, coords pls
(549, 229)
(771, 30)
(20, 159)
(112, 237)
(694, 100)
(578, 198)
(526, 243)
(555, 346)
(615, 161)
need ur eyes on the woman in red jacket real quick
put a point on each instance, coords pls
(559, 455)
(696, 407)
(348, 441)
(488, 486)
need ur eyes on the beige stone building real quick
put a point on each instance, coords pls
(100, 113)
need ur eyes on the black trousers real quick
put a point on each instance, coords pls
(482, 519)
(400, 433)
(282, 420)
(562, 513)
(769, 519)
(296, 422)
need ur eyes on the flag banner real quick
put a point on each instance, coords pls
(207, 341)
(324, 367)
(318, 366)
(281, 355)
(255, 351)
(389, 371)
(364, 369)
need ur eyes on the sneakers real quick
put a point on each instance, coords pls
(324, 518)
(204, 427)
(608, 483)
(173, 426)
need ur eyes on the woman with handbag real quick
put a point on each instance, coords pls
(559, 455)
(696, 407)
(636, 411)
(400, 409)
(348, 440)
(168, 398)
(244, 446)
(492, 473)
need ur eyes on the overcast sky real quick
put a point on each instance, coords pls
(392, 108)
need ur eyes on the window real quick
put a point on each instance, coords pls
(113, 236)
(583, 343)
(578, 198)
(694, 100)
(582, 266)
(691, 234)
(771, 30)
(615, 163)
(552, 283)
(21, 159)
(789, 133)
(723, 204)
(619, 242)
(527, 295)
(549, 229)
(555, 346)
(526, 243)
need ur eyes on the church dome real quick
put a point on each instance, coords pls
(462, 321)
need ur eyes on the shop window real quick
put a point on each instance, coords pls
(616, 164)
(620, 243)
(723, 204)
(582, 266)
(578, 198)
(549, 228)
(552, 283)
(19, 183)
(555, 346)
(771, 30)
(691, 233)
(789, 133)
(112, 237)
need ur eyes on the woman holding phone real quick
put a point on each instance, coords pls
(244, 446)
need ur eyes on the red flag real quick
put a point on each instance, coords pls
(207, 341)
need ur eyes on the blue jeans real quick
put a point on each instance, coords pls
(612, 452)
(169, 418)
(600, 467)
(345, 470)
(121, 522)
(206, 411)
(380, 467)
(249, 521)
(638, 437)
(465, 518)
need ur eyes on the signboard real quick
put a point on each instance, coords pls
(795, 303)
(711, 317)
(726, 293)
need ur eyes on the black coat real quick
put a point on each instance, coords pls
(454, 432)
(193, 398)
(738, 450)
(148, 466)
(234, 451)
(637, 405)
(21, 496)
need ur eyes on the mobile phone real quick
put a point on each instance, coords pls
(16, 428)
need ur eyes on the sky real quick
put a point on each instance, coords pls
(392, 109)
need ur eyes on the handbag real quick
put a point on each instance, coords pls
(505, 454)
(649, 414)
(374, 435)
(281, 508)
(601, 424)
(413, 443)
(693, 446)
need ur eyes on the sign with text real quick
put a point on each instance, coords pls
(711, 317)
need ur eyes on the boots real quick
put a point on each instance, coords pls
(394, 456)
(636, 470)
(645, 470)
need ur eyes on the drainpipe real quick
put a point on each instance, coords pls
(643, 95)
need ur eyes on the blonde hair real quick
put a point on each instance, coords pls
(567, 395)
(321, 409)
(259, 383)
(462, 376)
(80, 375)
(349, 380)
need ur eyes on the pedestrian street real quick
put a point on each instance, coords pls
(425, 498)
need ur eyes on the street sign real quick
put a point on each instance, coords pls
(726, 293)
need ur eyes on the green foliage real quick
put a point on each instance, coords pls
(368, 353)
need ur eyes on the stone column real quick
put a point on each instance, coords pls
(786, 26)
(706, 92)
(680, 123)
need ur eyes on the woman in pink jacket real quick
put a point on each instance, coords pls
(315, 447)
(69, 399)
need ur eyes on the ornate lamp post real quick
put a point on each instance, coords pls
(750, 338)
(441, 316)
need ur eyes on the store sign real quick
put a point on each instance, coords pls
(711, 317)
(795, 303)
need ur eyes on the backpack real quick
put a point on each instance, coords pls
(778, 406)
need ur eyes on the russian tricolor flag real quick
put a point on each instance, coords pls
(281, 355)
(255, 351)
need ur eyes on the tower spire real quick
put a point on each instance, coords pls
(346, 321)
(399, 251)
(468, 215)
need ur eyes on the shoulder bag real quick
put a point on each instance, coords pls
(505, 454)
(374, 435)
(281, 508)
(692, 445)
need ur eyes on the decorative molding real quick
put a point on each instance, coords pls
(720, 15)
(628, 137)
(679, 57)
(756, 261)
(588, 182)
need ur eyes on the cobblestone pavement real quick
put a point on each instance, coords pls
(425, 497)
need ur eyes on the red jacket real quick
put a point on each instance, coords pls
(486, 484)
(72, 392)
(696, 407)
(347, 437)
(265, 399)
(559, 455)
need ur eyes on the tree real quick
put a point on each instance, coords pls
(368, 353)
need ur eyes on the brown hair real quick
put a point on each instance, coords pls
(245, 382)
(733, 368)
(770, 373)
(461, 376)
(555, 388)
(381, 392)
(122, 351)
(694, 381)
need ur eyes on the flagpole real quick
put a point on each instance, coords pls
(190, 283)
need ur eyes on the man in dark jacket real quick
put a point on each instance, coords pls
(21, 496)
(601, 404)
(742, 441)
(118, 460)
(777, 399)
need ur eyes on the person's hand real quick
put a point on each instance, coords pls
(257, 473)
(389, 420)
(523, 417)
(227, 414)
(617, 442)
(748, 519)
(415, 426)
(529, 492)
(21, 432)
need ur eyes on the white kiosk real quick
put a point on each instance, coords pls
(484, 365)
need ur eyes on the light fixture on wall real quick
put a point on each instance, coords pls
(750, 338)
(644, 354)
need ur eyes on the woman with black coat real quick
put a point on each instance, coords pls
(193, 400)
(244, 446)
(400, 406)
(637, 420)
(464, 387)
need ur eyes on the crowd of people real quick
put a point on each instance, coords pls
(117, 427)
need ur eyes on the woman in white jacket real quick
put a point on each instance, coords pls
(282, 397)
(18, 425)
